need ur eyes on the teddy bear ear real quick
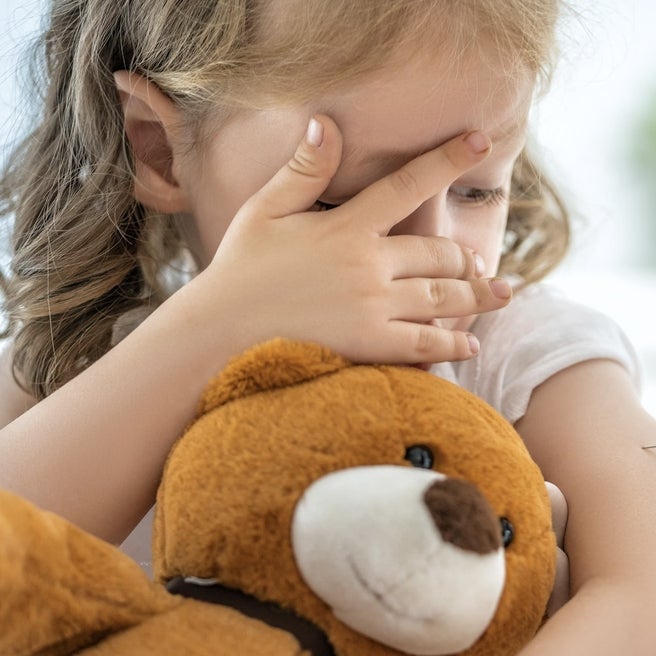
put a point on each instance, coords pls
(271, 365)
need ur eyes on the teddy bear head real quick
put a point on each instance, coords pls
(391, 509)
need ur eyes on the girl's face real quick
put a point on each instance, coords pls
(385, 121)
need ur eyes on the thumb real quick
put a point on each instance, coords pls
(298, 184)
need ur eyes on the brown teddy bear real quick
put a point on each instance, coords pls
(314, 507)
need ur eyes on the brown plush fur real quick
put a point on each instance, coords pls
(273, 421)
(311, 413)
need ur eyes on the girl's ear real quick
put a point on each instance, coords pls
(153, 127)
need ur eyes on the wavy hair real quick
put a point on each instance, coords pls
(84, 252)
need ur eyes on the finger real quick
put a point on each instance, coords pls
(298, 184)
(414, 256)
(417, 343)
(397, 195)
(423, 299)
(558, 511)
(560, 594)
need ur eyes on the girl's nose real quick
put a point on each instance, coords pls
(431, 218)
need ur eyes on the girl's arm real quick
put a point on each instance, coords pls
(93, 451)
(586, 429)
(13, 400)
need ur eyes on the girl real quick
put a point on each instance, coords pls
(350, 173)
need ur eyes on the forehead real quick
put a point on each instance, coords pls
(406, 110)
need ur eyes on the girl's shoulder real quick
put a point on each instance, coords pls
(14, 401)
(545, 315)
(540, 333)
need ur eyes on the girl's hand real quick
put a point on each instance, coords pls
(560, 593)
(336, 277)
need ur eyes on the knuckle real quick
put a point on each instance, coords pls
(303, 163)
(435, 249)
(436, 292)
(449, 258)
(477, 295)
(404, 182)
(425, 341)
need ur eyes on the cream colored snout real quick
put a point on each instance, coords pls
(389, 549)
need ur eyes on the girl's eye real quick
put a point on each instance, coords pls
(478, 196)
(320, 206)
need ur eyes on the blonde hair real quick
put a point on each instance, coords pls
(84, 252)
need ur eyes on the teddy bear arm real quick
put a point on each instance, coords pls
(62, 588)
(196, 628)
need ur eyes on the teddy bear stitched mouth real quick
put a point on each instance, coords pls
(369, 546)
(382, 599)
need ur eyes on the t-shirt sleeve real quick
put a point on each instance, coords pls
(539, 334)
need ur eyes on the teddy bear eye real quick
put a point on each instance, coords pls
(507, 532)
(419, 455)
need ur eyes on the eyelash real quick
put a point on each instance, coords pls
(478, 196)
(320, 206)
(472, 195)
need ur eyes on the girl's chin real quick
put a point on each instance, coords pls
(424, 366)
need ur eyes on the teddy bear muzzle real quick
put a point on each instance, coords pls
(409, 557)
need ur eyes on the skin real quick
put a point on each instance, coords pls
(606, 470)
(377, 304)
(586, 428)
(384, 124)
(395, 263)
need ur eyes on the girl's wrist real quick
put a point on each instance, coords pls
(217, 324)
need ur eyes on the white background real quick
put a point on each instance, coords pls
(583, 127)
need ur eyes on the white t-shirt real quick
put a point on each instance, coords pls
(538, 334)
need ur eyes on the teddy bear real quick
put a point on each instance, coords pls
(313, 507)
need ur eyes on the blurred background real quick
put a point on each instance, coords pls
(596, 129)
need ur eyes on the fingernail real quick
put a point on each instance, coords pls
(500, 288)
(474, 344)
(478, 141)
(479, 263)
(314, 134)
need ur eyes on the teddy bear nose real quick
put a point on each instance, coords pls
(463, 515)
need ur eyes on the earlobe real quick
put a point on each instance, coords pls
(153, 128)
